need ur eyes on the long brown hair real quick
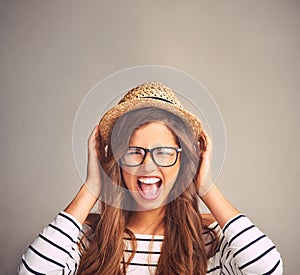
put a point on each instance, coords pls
(183, 250)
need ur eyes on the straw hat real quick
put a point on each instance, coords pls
(148, 94)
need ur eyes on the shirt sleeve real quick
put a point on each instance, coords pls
(55, 250)
(244, 249)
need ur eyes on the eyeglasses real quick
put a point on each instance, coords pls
(161, 156)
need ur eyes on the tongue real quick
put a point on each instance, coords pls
(149, 191)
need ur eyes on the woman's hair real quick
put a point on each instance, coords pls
(183, 250)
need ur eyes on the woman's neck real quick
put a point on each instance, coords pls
(148, 221)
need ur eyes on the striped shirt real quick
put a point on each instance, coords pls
(243, 249)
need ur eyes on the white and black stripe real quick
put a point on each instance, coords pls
(55, 249)
(245, 249)
(147, 253)
(242, 249)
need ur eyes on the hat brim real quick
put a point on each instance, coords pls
(109, 119)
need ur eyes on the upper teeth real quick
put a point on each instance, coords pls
(149, 180)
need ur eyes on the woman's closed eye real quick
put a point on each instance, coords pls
(164, 152)
(132, 153)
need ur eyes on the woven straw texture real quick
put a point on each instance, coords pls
(148, 94)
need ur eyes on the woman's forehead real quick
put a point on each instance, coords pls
(155, 132)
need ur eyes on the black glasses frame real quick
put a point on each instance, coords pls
(146, 150)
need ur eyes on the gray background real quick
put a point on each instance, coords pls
(245, 52)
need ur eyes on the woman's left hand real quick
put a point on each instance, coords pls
(204, 180)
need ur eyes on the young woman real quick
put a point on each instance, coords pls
(149, 165)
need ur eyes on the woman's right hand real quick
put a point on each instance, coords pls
(95, 152)
(89, 193)
(204, 180)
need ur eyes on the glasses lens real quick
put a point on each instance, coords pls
(134, 156)
(164, 156)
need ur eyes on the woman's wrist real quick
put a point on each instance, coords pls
(82, 204)
(220, 207)
(93, 187)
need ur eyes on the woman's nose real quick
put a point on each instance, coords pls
(148, 163)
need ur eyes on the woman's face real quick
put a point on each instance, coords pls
(148, 183)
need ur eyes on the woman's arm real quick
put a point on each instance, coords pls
(220, 207)
(82, 204)
(243, 247)
(86, 198)
(55, 249)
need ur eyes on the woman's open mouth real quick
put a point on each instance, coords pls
(149, 187)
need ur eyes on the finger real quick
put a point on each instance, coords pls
(93, 133)
(208, 140)
(94, 142)
(201, 144)
(206, 137)
(202, 141)
(95, 130)
(100, 145)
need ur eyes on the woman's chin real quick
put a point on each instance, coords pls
(148, 202)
